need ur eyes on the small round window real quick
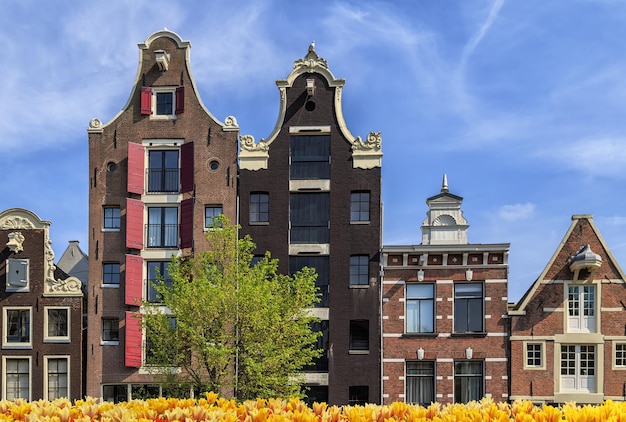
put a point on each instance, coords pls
(214, 165)
(310, 105)
(111, 167)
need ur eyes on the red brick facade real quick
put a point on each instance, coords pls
(567, 333)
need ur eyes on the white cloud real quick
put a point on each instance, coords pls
(517, 212)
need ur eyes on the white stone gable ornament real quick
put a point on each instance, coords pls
(16, 241)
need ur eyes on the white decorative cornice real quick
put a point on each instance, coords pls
(253, 156)
(310, 61)
(230, 124)
(69, 287)
(95, 126)
(16, 242)
(368, 154)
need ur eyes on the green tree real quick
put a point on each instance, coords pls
(231, 326)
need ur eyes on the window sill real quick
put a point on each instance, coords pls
(422, 335)
(55, 340)
(163, 117)
(17, 346)
(481, 334)
(105, 230)
(359, 286)
(259, 223)
(110, 286)
(109, 343)
(359, 223)
(358, 352)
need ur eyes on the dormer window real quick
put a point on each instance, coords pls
(585, 263)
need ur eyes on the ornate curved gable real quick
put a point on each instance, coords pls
(368, 154)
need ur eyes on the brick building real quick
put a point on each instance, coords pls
(41, 308)
(568, 338)
(310, 194)
(159, 171)
(444, 303)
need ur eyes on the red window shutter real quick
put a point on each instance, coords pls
(136, 156)
(132, 347)
(146, 100)
(186, 167)
(180, 100)
(134, 280)
(186, 223)
(134, 223)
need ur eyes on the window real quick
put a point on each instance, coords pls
(162, 102)
(17, 378)
(420, 382)
(17, 327)
(322, 267)
(110, 330)
(211, 214)
(468, 308)
(57, 324)
(163, 171)
(468, 381)
(420, 308)
(534, 356)
(111, 218)
(320, 364)
(358, 395)
(111, 273)
(360, 206)
(310, 157)
(162, 227)
(160, 356)
(578, 369)
(359, 335)
(359, 270)
(309, 217)
(115, 393)
(157, 270)
(620, 355)
(57, 377)
(259, 207)
(17, 279)
(581, 306)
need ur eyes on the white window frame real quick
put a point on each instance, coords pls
(4, 375)
(47, 375)
(22, 265)
(154, 115)
(57, 339)
(614, 356)
(17, 345)
(578, 378)
(581, 320)
(542, 351)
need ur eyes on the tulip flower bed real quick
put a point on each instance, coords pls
(216, 409)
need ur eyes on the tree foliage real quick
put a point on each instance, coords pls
(231, 326)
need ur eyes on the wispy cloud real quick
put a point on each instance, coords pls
(516, 212)
(473, 43)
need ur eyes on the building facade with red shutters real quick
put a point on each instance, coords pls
(310, 194)
(444, 304)
(159, 171)
(568, 332)
(41, 307)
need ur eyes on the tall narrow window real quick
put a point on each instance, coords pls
(57, 324)
(163, 171)
(468, 308)
(57, 378)
(420, 382)
(310, 157)
(359, 270)
(211, 214)
(17, 327)
(309, 217)
(17, 378)
(578, 368)
(111, 273)
(320, 364)
(321, 264)
(360, 206)
(111, 218)
(162, 227)
(164, 103)
(259, 207)
(157, 271)
(420, 307)
(110, 330)
(468, 381)
(581, 308)
(359, 335)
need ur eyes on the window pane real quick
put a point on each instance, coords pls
(111, 273)
(468, 307)
(468, 381)
(57, 378)
(164, 101)
(57, 323)
(358, 395)
(111, 217)
(420, 382)
(310, 157)
(17, 379)
(18, 325)
(420, 308)
(322, 267)
(162, 227)
(110, 329)
(157, 271)
(163, 171)
(309, 215)
(359, 270)
(360, 206)
(210, 216)
(359, 335)
(259, 208)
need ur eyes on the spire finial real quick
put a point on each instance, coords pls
(444, 184)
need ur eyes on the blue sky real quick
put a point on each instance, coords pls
(521, 103)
